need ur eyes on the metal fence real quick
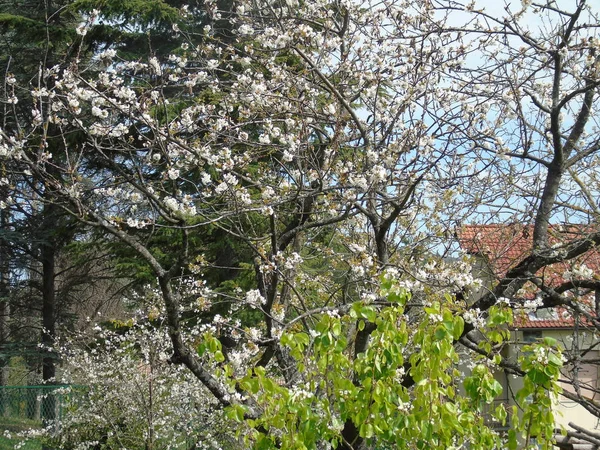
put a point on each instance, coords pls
(24, 407)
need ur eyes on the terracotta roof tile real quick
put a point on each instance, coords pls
(561, 319)
(504, 246)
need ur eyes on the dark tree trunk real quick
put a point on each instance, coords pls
(4, 307)
(48, 253)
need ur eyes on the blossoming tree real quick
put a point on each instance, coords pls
(339, 144)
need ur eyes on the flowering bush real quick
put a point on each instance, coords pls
(126, 394)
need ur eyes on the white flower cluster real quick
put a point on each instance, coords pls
(503, 301)
(435, 318)
(453, 276)
(299, 394)
(137, 223)
(474, 317)
(404, 407)
(362, 261)
(254, 299)
(268, 193)
(581, 272)
(229, 181)
(267, 267)
(292, 261)
(184, 206)
(107, 54)
(533, 305)
(10, 147)
(400, 373)
(541, 355)
(155, 66)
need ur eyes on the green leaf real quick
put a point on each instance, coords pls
(501, 414)
(366, 430)
(459, 326)
(494, 389)
(213, 344)
(236, 412)
(554, 359)
(368, 313)
(378, 363)
(219, 357)
(302, 338)
(538, 377)
(512, 439)
(336, 328)
(471, 388)
(440, 333)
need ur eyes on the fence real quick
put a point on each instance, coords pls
(25, 407)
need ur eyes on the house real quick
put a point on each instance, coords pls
(496, 249)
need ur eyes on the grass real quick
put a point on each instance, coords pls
(9, 444)
(15, 425)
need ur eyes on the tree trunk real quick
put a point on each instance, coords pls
(48, 254)
(48, 311)
(4, 305)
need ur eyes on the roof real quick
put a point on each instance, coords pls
(503, 246)
(560, 320)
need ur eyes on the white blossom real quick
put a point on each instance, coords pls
(254, 299)
(155, 66)
(171, 203)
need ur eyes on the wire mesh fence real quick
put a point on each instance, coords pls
(24, 408)
(27, 406)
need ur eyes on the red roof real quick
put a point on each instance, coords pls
(528, 323)
(502, 247)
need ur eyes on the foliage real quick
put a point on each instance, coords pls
(542, 365)
(433, 414)
(134, 10)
